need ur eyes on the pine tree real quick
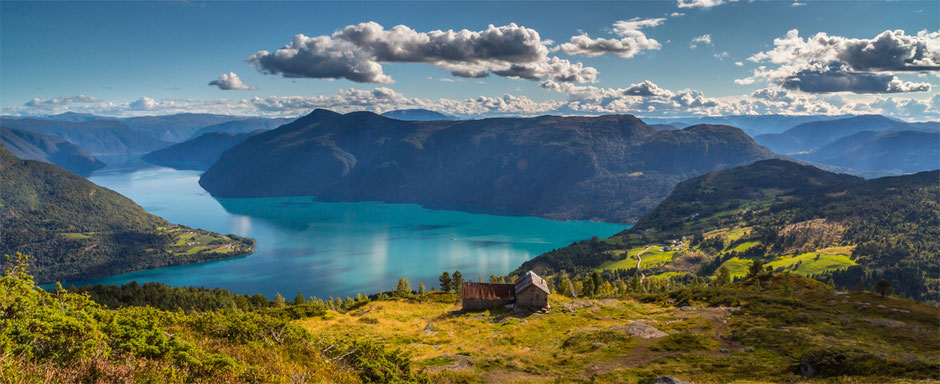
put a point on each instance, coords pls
(446, 282)
(883, 287)
(598, 282)
(420, 288)
(723, 277)
(403, 288)
(480, 278)
(787, 284)
(279, 300)
(755, 269)
(587, 287)
(458, 281)
(299, 299)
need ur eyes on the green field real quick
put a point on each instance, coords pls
(812, 263)
(653, 257)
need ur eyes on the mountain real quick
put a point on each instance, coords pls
(243, 126)
(50, 149)
(752, 124)
(789, 217)
(816, 134)
(77, 117)
(199, 153)
(175, 128)
(417, 115)
(612, 168)
(74, 230)
(904, 151)
(667, 127)
(100, 137)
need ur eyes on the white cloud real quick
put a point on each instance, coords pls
(701, 3)
(631, 41)
(230, 81)
(823, 63)
(357, 52)
(676, 14)
(797, 4)
(738, 64)
(705, 39)
(721, 55)
(61, 101)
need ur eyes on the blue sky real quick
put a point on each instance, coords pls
(136, 58)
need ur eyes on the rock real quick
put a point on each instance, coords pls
(669, 380)
(885, 322)
(429, 330)
(643, 331)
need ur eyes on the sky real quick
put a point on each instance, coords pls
(472, 59)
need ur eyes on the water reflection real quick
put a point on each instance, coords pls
(335, 249)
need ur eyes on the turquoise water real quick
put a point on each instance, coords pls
(335, 249)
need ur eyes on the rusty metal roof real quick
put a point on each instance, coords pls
(487, 291)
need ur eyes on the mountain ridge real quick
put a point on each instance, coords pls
(589, 168)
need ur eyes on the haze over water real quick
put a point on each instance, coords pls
(334, 249)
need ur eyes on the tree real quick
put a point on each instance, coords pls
(723, 277)
(446, 282)
(403, 288)
(279, 300)
(421, 288)
(787, 284)
(495, 279)
(755, 269)
(480, 278)
(299, 299)
(598, 282)
(458, 281)
(587, 287)
(883, 287)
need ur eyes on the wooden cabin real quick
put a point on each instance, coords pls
(528, 291)
(531, 291)
(480, 296)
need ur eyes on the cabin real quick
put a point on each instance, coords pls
(480, 296)
(528, 291)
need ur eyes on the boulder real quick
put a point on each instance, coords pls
(643, 331)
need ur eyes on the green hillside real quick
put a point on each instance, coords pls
(788, 216)
(77, 230)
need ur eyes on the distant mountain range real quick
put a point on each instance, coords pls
(199, 153)
(108, 137)
(50, 149)
(175, 128)
(73, 229)
(612, 168)
(417, 115)
(865, 145)
(901, 152)
(752, 124)
(816, 134)
(243, 126)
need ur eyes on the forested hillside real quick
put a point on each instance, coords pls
(788, 217)
(607, 168)
(50, 149)
(76, 230)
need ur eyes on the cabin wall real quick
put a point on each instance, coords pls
(480, 304)
(531, 297)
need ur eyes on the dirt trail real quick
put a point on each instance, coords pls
(640, 260)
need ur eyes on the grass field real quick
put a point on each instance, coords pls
(586, 340)
(653, 257)
(812, 263)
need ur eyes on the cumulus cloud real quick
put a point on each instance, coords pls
(705, 39)
(230, 81)
(630, 42)
(676, 14)
(357, 52)
(823, 63)
(701, 3)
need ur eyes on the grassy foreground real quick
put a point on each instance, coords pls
(738, 333)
